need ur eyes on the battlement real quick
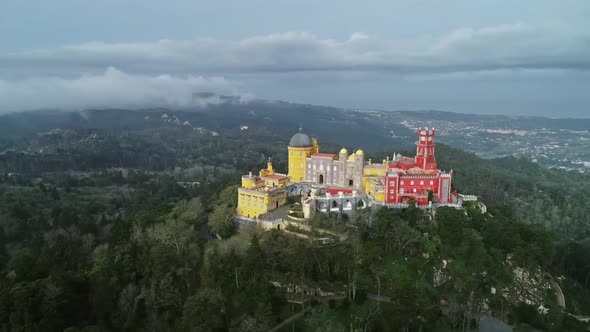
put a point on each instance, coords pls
(426, 132)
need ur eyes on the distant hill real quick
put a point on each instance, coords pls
(551, 142)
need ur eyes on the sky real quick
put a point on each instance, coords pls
(527, 57)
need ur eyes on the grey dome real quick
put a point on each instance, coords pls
(300, 140)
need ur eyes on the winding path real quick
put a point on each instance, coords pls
(287, 321)
(558, 291)
(561, 298)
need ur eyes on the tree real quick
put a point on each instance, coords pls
(221, 221)
(204, 311)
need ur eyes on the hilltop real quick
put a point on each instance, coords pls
(109, 218)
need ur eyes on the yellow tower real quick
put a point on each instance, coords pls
(300, 148)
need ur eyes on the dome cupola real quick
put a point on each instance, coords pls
(300, 140)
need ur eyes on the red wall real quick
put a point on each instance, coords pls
(409, 188)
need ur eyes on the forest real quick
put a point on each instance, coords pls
(133, 230)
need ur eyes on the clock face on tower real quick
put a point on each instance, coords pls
(422, 138)
(429, 139)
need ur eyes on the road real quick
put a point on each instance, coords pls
(561, 299)
(558, 292)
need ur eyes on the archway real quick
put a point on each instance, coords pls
(321, 178)
(350, 183)
(360, 204)
(279, 227)
(348, 205)
(277, 204)
(334, 204)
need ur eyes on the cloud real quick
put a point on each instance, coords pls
(466, 49)
(114, 88)
(295, 65)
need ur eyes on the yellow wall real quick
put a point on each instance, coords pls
(371, 173)
(374, 171)
(376, 191)
(380, 197)
(297, 164)
(270, 182)
(253, 203)
(248, 181)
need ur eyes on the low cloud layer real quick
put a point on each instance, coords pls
(112, 88)
(513, 68)
(500, 47)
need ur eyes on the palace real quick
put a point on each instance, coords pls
(318, 177)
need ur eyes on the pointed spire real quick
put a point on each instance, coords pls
(300, 128)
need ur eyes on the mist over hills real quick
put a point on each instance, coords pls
(553, 142)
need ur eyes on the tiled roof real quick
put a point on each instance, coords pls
(275, 176)
(335, 190)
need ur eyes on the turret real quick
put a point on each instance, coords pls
(343, 154)
(359, 161)
(301, 146)
(315, 146)
(425, 149)
(269, 167)
(342, 160)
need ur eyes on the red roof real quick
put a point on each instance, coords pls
(404, 163)
(334, 191)
(329, 155)
(275, 176)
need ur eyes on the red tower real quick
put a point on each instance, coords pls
(418, 178)
(425, 149)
